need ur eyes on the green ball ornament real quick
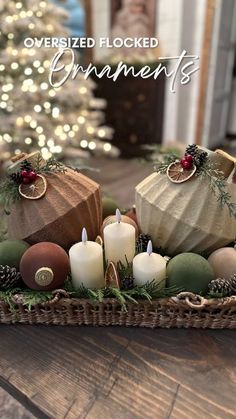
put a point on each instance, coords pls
(109, 207)
(189, 272)
(11, 252)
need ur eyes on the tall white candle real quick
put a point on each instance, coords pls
(119, 241)
(86, 261)
(148, 266)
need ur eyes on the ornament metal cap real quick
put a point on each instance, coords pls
(44, 276)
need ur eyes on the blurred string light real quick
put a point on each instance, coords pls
(44, 116)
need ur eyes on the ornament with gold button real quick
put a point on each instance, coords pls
(44, 266)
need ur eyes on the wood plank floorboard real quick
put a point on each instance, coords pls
(78, 372)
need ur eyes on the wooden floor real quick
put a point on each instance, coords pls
(103, 373)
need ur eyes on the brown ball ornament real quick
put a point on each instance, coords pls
(131, 213)
(223, 262)
(44, 266)
(112, 219)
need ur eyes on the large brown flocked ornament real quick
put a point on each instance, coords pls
(44, 266)
(53, 206)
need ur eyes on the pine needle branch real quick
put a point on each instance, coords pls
(218, 185)
(9, 193)
(125, 270)
(51, 166)
(32, 298)
(162, 164)
(149, 292)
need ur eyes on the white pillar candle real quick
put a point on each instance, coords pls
(86, 261)
(149, 266)
(119, 241)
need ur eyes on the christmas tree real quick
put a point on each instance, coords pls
(33, 115)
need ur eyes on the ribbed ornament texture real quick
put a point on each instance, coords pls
(183, 217)
(72, 201)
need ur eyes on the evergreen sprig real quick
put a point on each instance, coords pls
(7, 297)
(151, 290)
(9, 193)
(208, 171)
(28, 297)
(125, 270)
(161, 165)
(49, 166)
(217, 184)
(31, 298)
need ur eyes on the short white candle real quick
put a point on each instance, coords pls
(119, 241)
(86, 261)
(149, 266)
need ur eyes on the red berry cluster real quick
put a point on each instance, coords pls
(187, 162)
(27, 173)
(28, 176)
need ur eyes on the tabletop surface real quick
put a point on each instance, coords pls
(86, 372)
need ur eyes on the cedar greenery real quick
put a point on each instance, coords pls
(30, 298)
(162, 164)
(50, 166)
(9, 193)
(217, 186)
(27, 297)
(208, 171)
(149, 291)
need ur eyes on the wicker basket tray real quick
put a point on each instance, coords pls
(185, 310)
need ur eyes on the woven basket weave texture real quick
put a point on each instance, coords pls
(183, 311)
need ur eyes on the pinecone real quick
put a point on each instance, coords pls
(192, 150)
(222, 286)
(127, 282)
(9, 277)
(198, 155)
(26, 165)
(16, 178)
(201, 158)
(142, 242)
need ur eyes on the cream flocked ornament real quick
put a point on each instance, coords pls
(188, 205)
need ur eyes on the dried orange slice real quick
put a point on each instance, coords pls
(34, 190)
(177, 174)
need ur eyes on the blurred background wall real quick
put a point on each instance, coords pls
(205, 28)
